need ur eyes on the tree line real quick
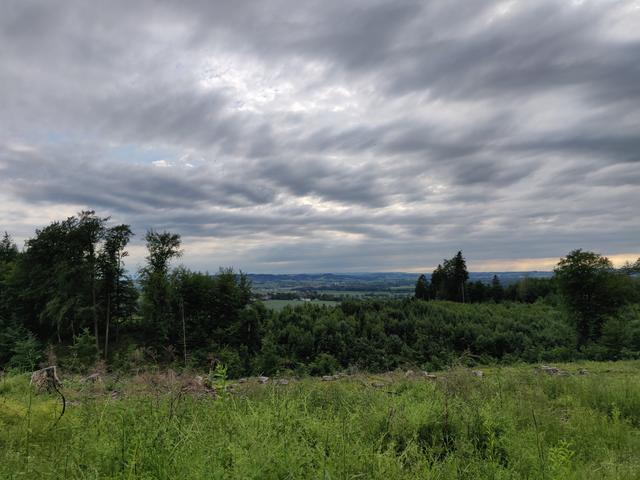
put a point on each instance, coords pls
(585, 283)
(68, 296)
(69, 289)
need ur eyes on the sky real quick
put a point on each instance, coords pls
(328, 136)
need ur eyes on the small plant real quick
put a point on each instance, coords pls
(560, 460)
(83, 351)
(218, 378)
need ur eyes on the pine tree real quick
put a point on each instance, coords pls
(497, 292)
(455, 278)
(437, 286)
(8, 249)
(460, 276)
(422, 288)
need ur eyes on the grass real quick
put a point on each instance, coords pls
(512, 423)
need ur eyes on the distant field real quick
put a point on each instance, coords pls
(351, 293)
(280, 304)
(511, 423)
(367, 282)
(363, 293)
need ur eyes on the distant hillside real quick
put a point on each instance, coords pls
(371, 281)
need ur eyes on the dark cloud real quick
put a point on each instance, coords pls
(327, 135)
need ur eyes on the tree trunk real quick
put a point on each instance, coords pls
(95, 310)
(184, 334)
(92, 265)
(106, 327)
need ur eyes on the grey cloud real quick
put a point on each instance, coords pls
(543, 45)
(328, 135)
(616, 175)
(613, 148)
(446, 48)
(120, 186)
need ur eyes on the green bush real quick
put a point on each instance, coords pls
(323, 364)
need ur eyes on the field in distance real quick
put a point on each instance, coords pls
(339, 286)
(510, 423)
(280, 304)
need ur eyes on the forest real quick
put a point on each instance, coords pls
(67, 298)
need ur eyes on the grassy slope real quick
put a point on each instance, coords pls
(512, 423)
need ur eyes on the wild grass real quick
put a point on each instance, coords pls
(512, 423)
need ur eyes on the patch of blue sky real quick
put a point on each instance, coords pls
(141, 155)
(59, 137)
(38, 136)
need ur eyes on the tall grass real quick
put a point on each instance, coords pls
(510, 424)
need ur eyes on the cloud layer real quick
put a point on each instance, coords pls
(289, 136)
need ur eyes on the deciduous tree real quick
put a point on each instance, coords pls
(591, 290)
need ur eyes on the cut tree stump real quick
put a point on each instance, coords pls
(46, 379)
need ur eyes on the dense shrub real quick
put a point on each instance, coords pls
(383, 335)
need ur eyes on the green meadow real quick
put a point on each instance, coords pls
(511, 423)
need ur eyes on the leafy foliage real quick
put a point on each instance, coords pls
(383, 335)
(65, 279)
(592, 290)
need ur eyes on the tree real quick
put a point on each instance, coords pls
(162, 247)
(51, 282)
(422, 288)
(54, 281)
(8, 249)
(90, 231)
(458, 277)
(591, 290)
(497, 292)
(213, 315)
(437, 286)
(156, 285)
(449, 280)
(453, 276)
(8, 256)
(111, 265)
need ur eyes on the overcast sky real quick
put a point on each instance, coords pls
(306, 136)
